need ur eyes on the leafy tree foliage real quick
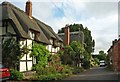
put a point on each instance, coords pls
(97, 60)
(12, 53)
(68, 55)
(72, 53)
(102, 55)
(79, 50)
(41, 53)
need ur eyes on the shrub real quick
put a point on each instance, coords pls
(16, 75)
(45, 70)
(67, 70)
(86, 64)
(41, 70)
(77, 70)
(48, 77)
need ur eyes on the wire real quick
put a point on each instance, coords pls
(61, 11)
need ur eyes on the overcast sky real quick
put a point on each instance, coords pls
(100, 17)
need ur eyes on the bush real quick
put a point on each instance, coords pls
(15, 75)
(45, 70)
(56, 76)
(86, 64)
(67, 70)
(77, 70)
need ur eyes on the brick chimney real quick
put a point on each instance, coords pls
(29, 8)
(66, 35)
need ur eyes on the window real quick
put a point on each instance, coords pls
(51, 41)
(32, 35)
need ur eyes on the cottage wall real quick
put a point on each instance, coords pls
(27, 57)
(52, 49)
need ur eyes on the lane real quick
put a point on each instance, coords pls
(95, 74)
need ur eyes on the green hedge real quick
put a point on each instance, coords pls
(15, 75)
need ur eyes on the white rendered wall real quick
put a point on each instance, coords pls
(49, 47)
(29, 63)
(22, 66)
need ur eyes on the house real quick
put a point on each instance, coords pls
(113, 55)
(68, 37)
(25, 29)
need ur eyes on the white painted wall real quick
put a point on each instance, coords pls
(22, 66)
(29, 44)
(28, 56)
(57, 49)
(52, 48)
(49, 47)
(29, 63)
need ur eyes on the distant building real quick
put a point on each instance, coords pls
(114, 55)
(69, 37)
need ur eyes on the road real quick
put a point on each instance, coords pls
(100, 73)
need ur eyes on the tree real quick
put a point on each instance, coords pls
(102, 55)
(72, 53)
(93, 45)
(12, 53)
(86, 60)
(78, 49)
(68, 56)
(89, 42)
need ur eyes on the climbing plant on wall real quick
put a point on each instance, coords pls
(41, 53)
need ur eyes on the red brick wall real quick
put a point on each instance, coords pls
(116, 55)
(119, 55)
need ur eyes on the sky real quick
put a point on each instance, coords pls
(99, 16)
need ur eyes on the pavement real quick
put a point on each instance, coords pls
(99, 73)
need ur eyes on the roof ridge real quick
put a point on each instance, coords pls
(12, 5)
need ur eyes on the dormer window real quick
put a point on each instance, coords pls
(51, 41)
(32, 35)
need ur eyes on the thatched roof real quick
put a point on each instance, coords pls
(22, 23)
